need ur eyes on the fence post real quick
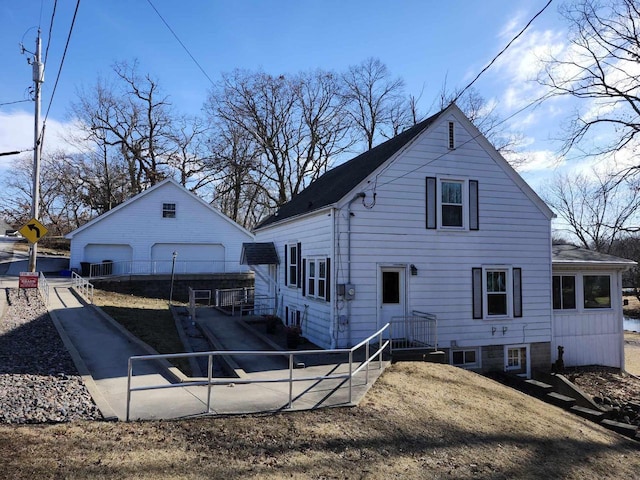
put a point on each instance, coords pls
(209, 375)
(366, 373)
(129, 374)
(290, 380)
(350, 375)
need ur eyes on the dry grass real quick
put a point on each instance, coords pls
(418, 421)
(149, 319)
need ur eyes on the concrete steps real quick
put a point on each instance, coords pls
(561, 395)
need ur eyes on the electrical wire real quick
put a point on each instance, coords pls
(55, 85)
(180, 42)
(12, 103)
(500, 53)
(53, 14)
(535, 102)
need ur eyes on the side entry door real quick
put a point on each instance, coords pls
(391, 296)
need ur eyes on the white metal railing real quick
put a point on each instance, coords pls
(196, 296)
(236, 299)
(264, 305)
(43, 288)
(290, 379)
(161, 267)
(418, 330)
(83, 286)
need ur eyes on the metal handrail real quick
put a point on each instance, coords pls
(163, 267)
(83, 286)
(210, 381)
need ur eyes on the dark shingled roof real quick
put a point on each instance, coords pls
(570, 254)
(263, 253)
(339, 181)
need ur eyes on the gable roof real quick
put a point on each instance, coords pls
(570, 255)
(146, 192)
(334, 184)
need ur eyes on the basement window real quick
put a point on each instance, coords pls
(467, 358)
(168, 210)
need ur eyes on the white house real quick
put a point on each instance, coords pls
(433, 221)
(587, 306)
(140, 236)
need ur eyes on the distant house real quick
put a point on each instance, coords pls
(432, 225)
(587, 306)
(140, 236)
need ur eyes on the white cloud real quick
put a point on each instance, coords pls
(17, 133)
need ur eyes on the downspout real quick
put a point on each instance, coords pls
(356, 197)
(333, 327)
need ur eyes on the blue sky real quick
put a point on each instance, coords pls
(424, 42)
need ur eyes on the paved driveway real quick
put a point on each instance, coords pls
(6, 253)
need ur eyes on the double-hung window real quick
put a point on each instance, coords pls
(168, 210)
(317, 278)
(497, 292)
(292, 255)
(452, 204)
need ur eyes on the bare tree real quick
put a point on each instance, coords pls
(376, 101)
(597, 210)
(296, 125)
(601, 67)
(61, 207)
(131, 117)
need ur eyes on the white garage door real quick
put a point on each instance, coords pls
(191, 257)
(97, 252)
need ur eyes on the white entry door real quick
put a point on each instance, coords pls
(391, 296)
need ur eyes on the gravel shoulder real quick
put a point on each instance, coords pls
(38, 380)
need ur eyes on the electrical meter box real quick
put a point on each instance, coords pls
(347, 290)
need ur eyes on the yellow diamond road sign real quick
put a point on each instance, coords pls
(33, 230)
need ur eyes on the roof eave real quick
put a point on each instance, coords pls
(295, 217)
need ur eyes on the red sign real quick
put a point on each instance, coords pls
(28, 280)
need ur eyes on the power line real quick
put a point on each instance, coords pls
(535, 102)
(17, 101)
(64, 55)
(53, 14)
(501, 52)
(180, 42)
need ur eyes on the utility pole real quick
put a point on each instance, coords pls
(38, 79)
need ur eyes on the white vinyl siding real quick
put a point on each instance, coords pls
(590, 336)
(514, 230)
(313, 234)
(138, 224)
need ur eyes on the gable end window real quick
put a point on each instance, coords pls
(452, 139)
(452, 204)
(168, 210)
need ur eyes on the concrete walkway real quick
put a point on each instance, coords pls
(101, 348)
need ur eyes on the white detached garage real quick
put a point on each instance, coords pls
(141, 235)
